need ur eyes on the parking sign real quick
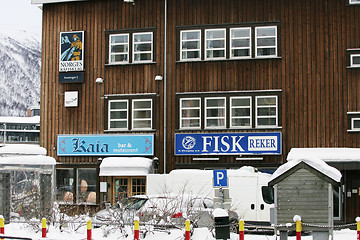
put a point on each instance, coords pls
(220, 178)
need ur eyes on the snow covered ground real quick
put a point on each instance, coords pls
(23, 230)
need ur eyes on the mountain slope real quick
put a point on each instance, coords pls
(20, 66)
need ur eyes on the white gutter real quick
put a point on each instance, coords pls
(165, 31)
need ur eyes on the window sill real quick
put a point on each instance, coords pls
(129, 131)
(353, 130)
(229, 59)
(227, 129)
(352, 67)
(128, 64)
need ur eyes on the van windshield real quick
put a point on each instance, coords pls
(267, 194)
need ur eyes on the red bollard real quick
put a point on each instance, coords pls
(43, 227)
(2, 226)
(297, 219)
(89, 229)
(136, 229)
(241, 229)
(358, 227)
(187, 230)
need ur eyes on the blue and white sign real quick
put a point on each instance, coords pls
(106, 145)
(220, 178)
(227, 143)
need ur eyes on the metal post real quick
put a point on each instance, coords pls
(4, 133)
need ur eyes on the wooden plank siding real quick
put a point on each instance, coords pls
(317, 88)
(303, 193)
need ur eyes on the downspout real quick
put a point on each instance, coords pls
(165, 32)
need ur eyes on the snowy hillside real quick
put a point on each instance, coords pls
(20, 63)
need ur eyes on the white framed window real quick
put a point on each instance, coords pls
(355, 124)
(266, 42)
(190, 45)
(215, 112)
(142, 112)
(266, 114)
(240, 43)
(118, 114)
(354, 60)
(240, 112)
(190, 113)
(142, 47)
(119, 49)
(354, 1)
(215, 44)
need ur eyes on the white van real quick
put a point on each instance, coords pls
(247, 189)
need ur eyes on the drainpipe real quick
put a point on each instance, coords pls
(165, 32)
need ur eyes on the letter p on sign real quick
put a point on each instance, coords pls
(220, 178)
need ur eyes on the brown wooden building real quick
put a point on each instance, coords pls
(208, 83)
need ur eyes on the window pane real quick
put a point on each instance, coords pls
(215, 44)
(240, 43)
(142, 114)
(191, 35)
(270, 111)
(355, 60)
(190, 113)
(240, 33)
(119, 38)
(266, 52)
(211, 34)
(191, 45)
(265, 31)
(118, 105)
(240, 122)
(86, 185)
(119, 48)
(119, 58)
(266, 121)
(190, 54)
(142, 124)
(142, 47)
(64, 185)
(215, 122)
(265, 42)
(118, 115)
(237, 102)
(239, 112)
(118, 124)
(190, 123)
(142, 57)
(147, 37)
(142, 104)
(266, 101)
(215, 102)
(215, 113)
(190, 103)
(356, 123)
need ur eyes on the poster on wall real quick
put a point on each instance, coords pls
(71, 51)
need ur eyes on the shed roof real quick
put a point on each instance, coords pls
(125, 166)
(312, 164)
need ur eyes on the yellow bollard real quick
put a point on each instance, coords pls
(241, 229)
(43, 227)
(2, 225)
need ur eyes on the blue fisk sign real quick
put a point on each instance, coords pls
(227, 143)
(105, 145)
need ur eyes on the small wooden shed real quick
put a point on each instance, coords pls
(304, 187)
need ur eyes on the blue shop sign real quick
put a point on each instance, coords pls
(106, 145)
(227, 143)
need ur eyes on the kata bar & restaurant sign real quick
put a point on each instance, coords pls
(105, 145)
(71, 51)
(227, 143)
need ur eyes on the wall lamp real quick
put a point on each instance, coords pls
(99, 80)
(128, 1)
(158, 78)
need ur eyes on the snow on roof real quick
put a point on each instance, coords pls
(24, 149)
(30, 120)
(326, 154)
(312, 161)
(28, 160)
(125, 166)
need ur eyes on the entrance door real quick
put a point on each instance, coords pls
(352, 195)
(128, 186)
